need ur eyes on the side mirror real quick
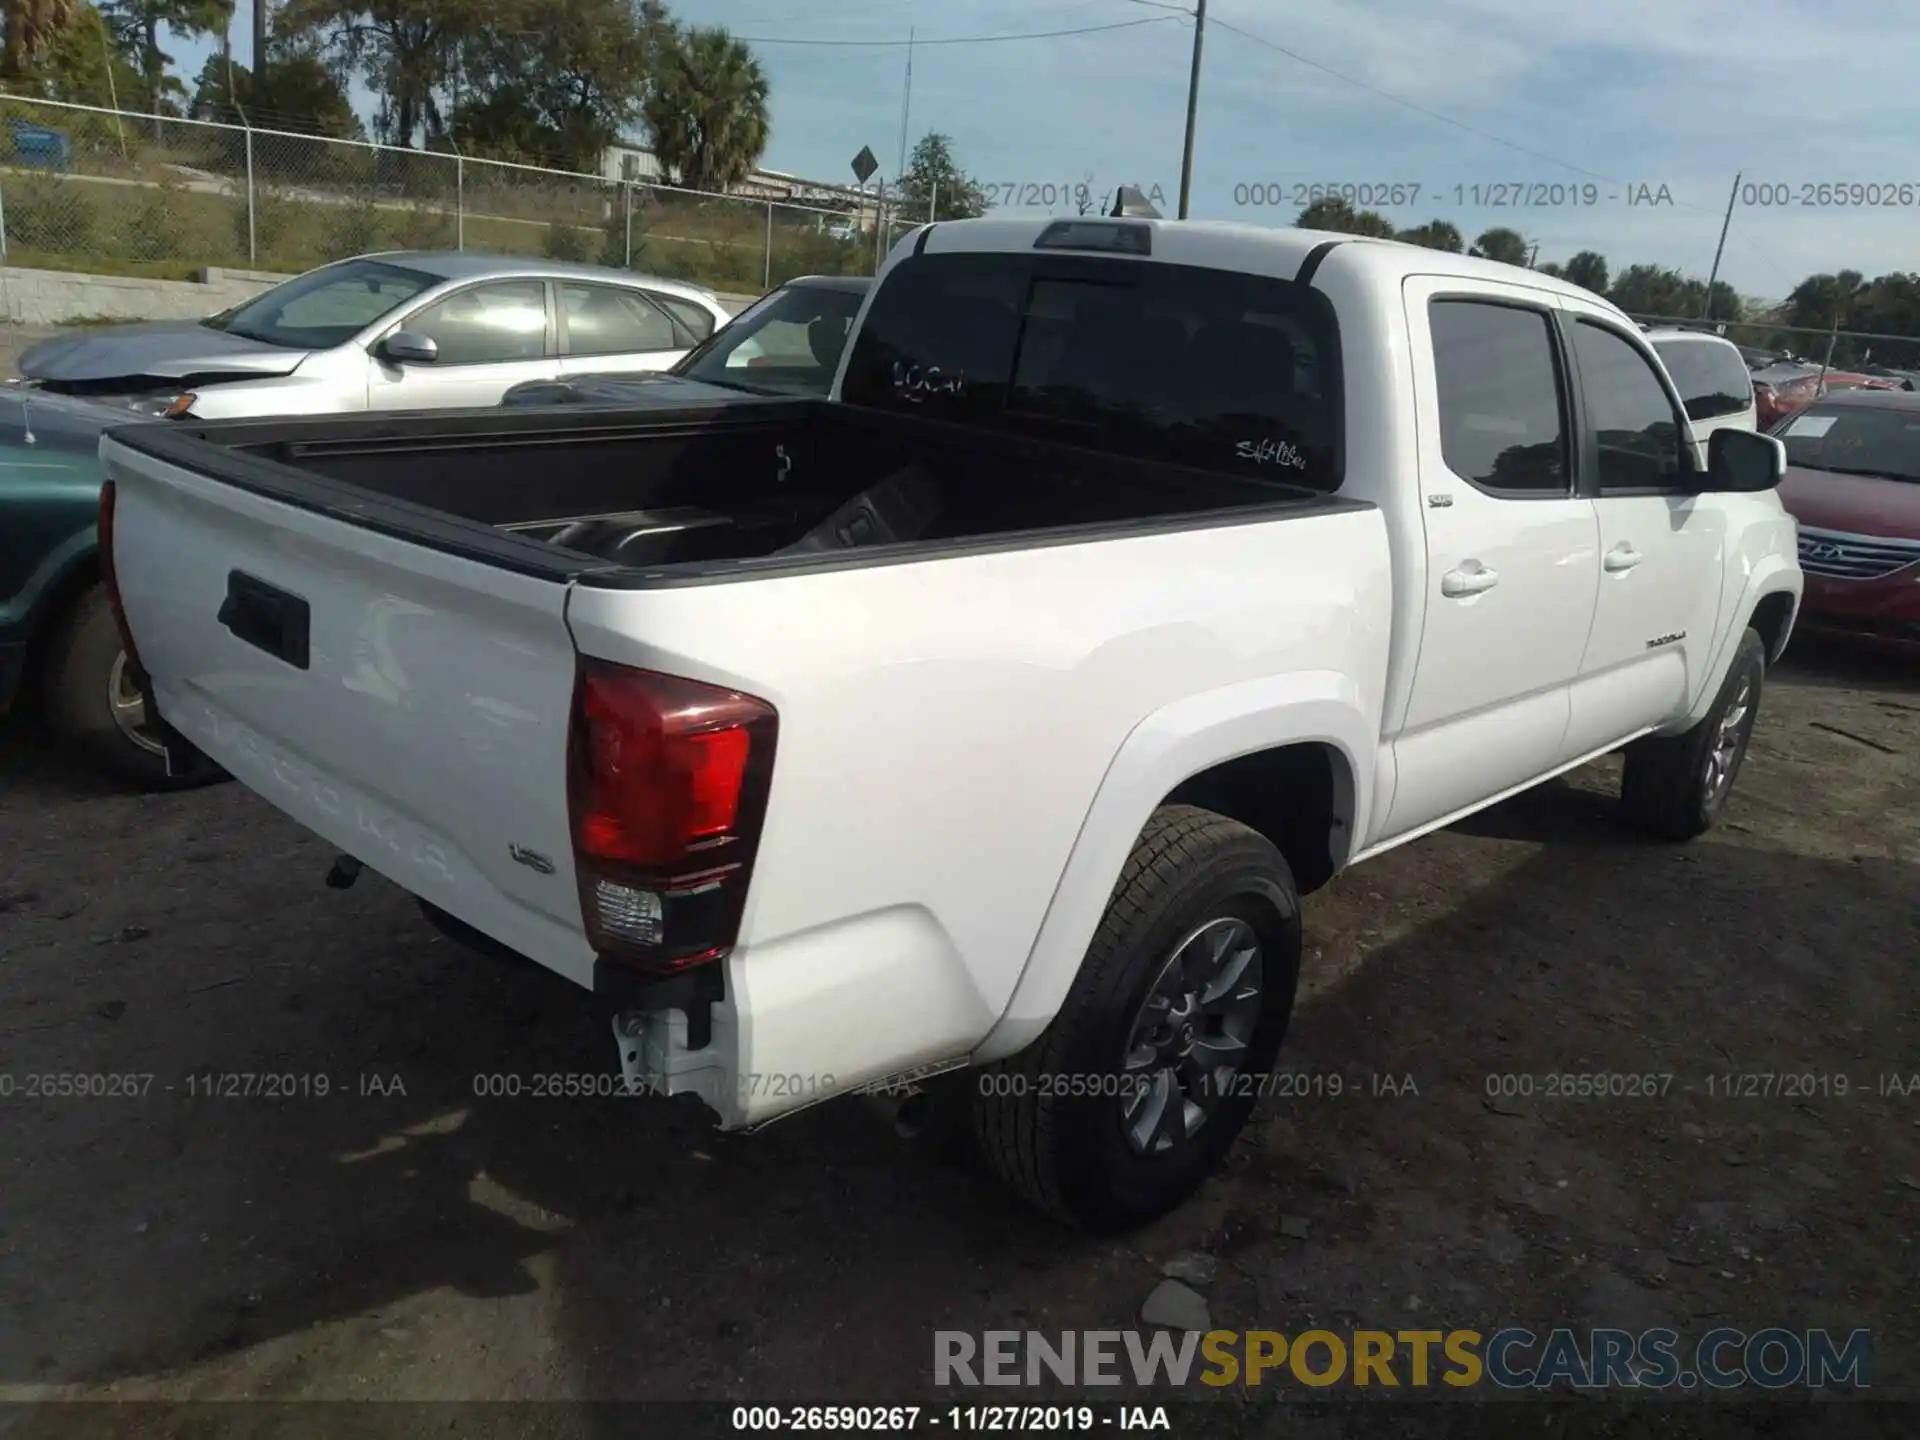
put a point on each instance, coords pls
(406, 347)
(1743, 463)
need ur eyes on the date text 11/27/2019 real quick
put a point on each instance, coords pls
(910, 1419)
(1475, 195)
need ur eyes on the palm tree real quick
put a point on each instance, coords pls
(32, 26)
(1335, 212)
(706, 111)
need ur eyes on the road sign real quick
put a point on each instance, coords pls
(864, 164)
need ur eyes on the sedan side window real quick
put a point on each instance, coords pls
(487, 324)
(604, 321)
(696, 319)
(1628, 410)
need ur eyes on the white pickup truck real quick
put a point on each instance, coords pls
(993, 713)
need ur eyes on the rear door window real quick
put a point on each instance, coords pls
(1711, 377)
(695, 319)
(1207, 368)
(603, 320)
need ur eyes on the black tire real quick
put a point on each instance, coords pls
(1069, 1153)
(1671, 787)
(82, 668)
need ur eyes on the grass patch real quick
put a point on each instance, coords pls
(81, 264)
(117, 225)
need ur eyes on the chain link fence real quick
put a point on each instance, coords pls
(114, 192)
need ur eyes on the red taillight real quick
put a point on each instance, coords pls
(667, 785)
(110, 580)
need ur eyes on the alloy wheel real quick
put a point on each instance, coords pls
(1191, 1034)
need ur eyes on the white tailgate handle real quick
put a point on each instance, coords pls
(1622, 558)
(1472, 578)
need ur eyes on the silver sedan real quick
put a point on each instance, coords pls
(409, 330)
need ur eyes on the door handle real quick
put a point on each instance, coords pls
(1471, 578)
(1622, 558)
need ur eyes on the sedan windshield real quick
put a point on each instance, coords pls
(324, 308)
(787, 344)
(1855, 440)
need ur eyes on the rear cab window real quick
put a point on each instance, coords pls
(1712, 379)
(1211, 369)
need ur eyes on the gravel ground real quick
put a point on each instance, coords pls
(402, 1238)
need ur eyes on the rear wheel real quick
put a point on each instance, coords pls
(91, 699)
(1129, 1100)
(1676, 786)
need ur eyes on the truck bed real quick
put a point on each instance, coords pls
(741, 487)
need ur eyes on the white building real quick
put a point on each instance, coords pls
(633, 165)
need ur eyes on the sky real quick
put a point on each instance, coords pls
(1549, 118)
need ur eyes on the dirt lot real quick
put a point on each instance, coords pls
(431, 1244)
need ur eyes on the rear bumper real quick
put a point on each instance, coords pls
(767, 1032)
(13, 668)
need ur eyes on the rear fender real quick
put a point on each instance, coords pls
(1168, 747)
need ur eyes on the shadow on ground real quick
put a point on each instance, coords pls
(619, 1249)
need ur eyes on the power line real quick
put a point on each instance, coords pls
(1462, 125)
(956, 39)
(1418, 108)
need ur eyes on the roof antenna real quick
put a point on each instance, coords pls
(1129, 203)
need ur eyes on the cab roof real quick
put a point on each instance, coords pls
(1253, 249)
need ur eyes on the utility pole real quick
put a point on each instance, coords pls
(1193, 104)
(1706, 305)
(259, 42)
(906, 102)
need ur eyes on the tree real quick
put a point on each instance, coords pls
(1649, 290)
(135, 27)
(553, 80)
(405, 50)
(1509, 247)
(80, 64)
(1436, 235)
(1818, 301)
(1821, 302)
(32, 28)
(936, 187)
(1336, 213)
(1660, 291)
(1891, 306)
(1553, 268)
(1588, 269)
(706, 108)
(301, 94)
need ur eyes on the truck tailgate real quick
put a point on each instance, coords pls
(424, 728)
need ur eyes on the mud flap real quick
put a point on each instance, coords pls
(184, 758)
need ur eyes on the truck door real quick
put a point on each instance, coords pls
(1511, 548)
(1662, 547)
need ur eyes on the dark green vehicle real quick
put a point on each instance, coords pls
(59, 645)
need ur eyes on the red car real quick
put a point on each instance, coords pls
(1784, 389)
(1853, 483)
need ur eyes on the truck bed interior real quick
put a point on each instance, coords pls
(743, 480)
